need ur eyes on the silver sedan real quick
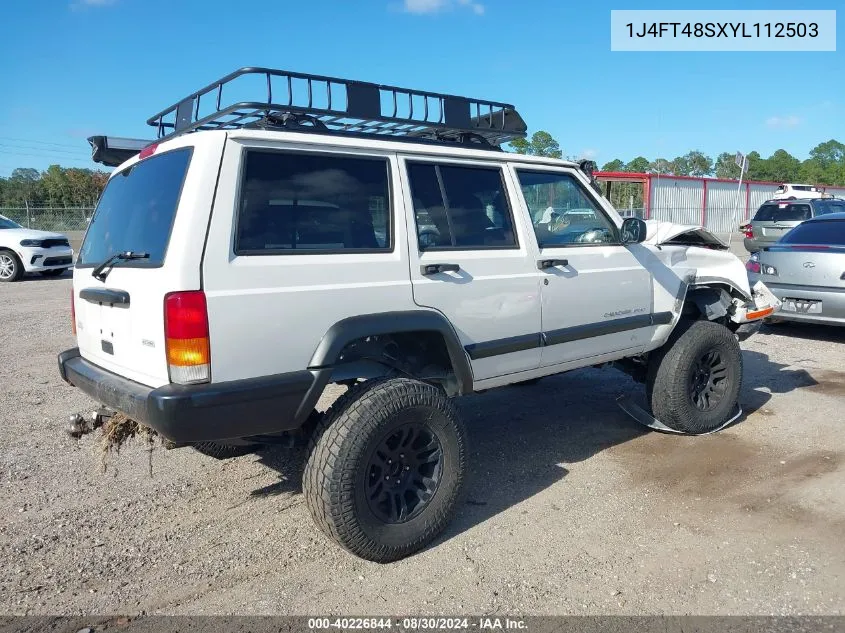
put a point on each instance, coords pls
(805, 269)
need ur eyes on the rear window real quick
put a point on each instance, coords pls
(783, 213)
(295, 203)
(827, 232)
(136, 211)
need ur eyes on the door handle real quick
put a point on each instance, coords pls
(431, 269)
(542, 264)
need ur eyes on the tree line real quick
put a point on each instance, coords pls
(70, 186)
(824, 166)
(56, 186)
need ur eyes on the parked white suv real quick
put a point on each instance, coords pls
(790, 191)
(30, 251)
(229, 275)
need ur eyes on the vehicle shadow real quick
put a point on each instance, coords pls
(40, 277)
(524, 439)
(812, 331)
(764, 377)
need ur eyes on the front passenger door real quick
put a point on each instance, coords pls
(596, 296)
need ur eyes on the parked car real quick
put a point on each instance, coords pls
(775, 218)
(218, 319)
(793, 192)
(30, 251)
(805, 269)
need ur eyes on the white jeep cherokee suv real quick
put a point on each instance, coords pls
(254, 255)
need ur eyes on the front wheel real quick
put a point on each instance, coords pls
(694, 381)
(386, 468)
(11, 268)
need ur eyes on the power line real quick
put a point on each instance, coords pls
(46, 150)
(24, 140)
(69, 159)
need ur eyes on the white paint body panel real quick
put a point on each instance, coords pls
(268, 313)
(137, 332)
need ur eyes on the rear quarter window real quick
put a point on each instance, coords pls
(823, 207)
(301, 203)
(824, 232)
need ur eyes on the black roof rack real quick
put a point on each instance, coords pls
(329, 104)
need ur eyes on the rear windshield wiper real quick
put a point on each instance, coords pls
(102, 271)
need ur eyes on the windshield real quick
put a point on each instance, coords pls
(826, 232)
(136, 211)
(6, 223)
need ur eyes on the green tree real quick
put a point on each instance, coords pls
(695, 163)
(829, 153)
(726, 166)
(541, 144)
(783, 167)
(614, 165)
(661, 166)
(756, 167)
(639, 165)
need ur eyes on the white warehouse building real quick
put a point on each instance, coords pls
(720, 205)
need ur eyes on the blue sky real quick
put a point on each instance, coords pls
(72, 68)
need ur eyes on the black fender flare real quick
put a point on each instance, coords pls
(352, 328)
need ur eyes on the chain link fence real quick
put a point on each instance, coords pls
(50, 218)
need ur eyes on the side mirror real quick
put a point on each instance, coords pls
(633, 231)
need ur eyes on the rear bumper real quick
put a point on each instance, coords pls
(196, 413)
(833, 303)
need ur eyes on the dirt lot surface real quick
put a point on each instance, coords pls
(572, 507)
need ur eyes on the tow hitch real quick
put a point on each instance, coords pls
(78, 426)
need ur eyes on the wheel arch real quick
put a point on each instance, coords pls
(329, 351)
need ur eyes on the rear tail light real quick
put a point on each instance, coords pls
(186, 337)
(769, 270)
(747, 230)
(753, 264)
(72, 313)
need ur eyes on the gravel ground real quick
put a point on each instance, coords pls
(572, 507)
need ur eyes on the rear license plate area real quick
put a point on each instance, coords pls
(801, 306)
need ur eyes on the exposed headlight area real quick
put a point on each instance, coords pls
(33, 243)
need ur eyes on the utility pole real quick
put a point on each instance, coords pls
(741, 162)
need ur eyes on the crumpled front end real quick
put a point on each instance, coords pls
(702, 259)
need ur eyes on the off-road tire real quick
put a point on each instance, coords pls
(218, 450)
(671, 376)
(335, 482)
(14, 262)
(55, 272)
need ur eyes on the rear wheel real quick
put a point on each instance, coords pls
(694, 382)
(11, 268)
(386, 468)
(56, 272)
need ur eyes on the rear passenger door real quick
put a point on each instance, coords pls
(470, 259)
